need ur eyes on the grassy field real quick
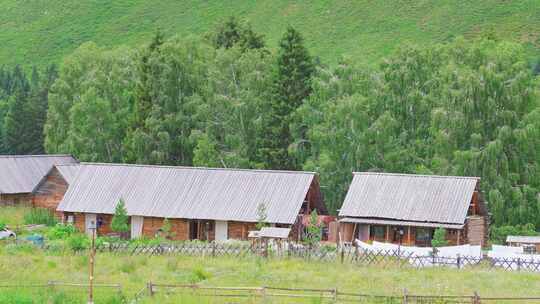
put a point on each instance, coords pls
(23, 266)
(42, 31)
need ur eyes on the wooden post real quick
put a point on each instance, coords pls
(409, 235)
(405, 296)
(150, 289)
(458, 236)
(476, 298)
(353, 232)
(387, 238)
(92, 257)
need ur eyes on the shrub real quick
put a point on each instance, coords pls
(2, 226)
(61, 231)
(78, 242)
(199, 274)
(40, 216)
(439, 238)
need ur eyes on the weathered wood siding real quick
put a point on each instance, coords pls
(24, 199)
(50, 192)
(179, 228)
(240, 230)
(477, 230)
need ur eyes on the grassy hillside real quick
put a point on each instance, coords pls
(39, 31)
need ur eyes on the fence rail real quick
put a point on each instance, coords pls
(350, 254)
(330, 295)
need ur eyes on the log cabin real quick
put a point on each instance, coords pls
(20, 174)
(406, 209)
(199, 203)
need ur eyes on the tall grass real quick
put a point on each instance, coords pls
(40, 216)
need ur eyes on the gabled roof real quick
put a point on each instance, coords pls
(407, 197)
(21, 173)
(523, 239)
(186, 192)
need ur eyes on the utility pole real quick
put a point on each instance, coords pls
(92, 261)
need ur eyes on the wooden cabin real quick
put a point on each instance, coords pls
(199, 203)
(531, 244)
(20, 174)
(406, 209)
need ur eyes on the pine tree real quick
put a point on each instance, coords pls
(292, 84)
(231, 33)
(120, 219)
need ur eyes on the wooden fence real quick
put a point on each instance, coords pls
(384, 258)
(324, 295)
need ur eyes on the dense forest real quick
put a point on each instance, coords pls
(467, 107)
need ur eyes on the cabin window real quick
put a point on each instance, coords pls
(377, 232)
(423, 236)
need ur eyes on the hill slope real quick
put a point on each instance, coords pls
(41, 31)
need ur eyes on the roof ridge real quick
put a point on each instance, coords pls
(192, 168)
(35, 155)
(415, 175)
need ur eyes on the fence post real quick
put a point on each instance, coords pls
(213, 249)
(458, 261)
(150, 287)
(342, 254)
(476, 298)
(335, 292)
(519, 264)
(405, 296)
(356, 253)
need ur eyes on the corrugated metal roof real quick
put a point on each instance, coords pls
(523, 239)
(420, 198)
(186, 192)
(274, 232)
(69, 172)
(21, 173)
(399, 223)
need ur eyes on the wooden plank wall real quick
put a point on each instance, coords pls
(50, 192)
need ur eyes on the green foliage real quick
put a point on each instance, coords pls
(262, 216)
(78, 242)
(459, 108)
(40, 216)
(292, 84)
(23, 108)
(120, 219)
(166, 229)
(231, 33)
(499, 234)
(61, 232)
(439, 238)
(313, 230)
(199, 274)
(2, 226)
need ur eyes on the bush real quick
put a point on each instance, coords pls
(61, 232)
(78, 242)
(2, 226)
(439, 238)
(199, 274)
(40, 216)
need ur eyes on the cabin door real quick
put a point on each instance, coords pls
(222, 231)
(90, 223)
(136, 226)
